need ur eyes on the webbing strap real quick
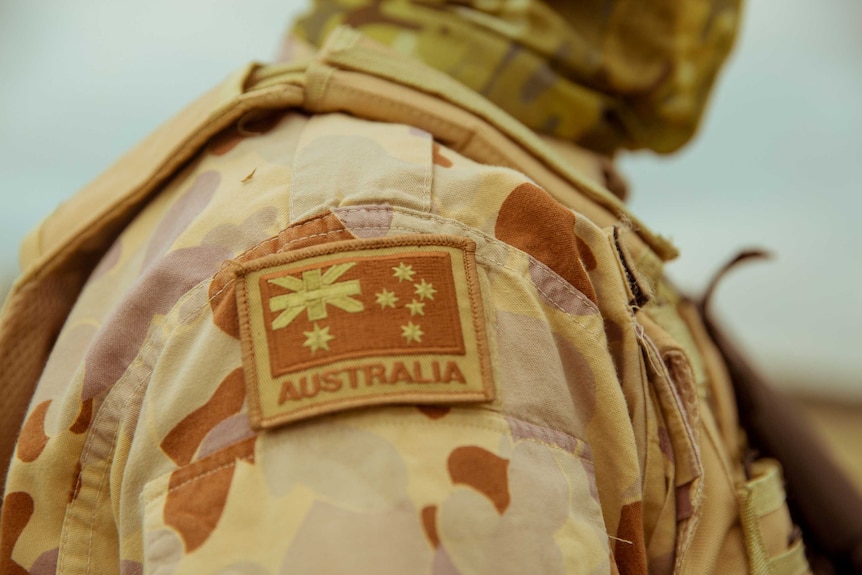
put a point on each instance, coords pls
(791, 562)
(757, 498)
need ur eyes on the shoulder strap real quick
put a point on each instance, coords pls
(121, 190)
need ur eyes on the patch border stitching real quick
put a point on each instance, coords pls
(468, 249)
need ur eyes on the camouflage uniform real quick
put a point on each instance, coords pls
(354, 317)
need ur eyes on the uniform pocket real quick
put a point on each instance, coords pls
(184, 507)
(391, 489)
(673, 443)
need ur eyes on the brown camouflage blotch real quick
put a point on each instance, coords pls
(532, 221)
(433, 411)
(183, 440)
(429, 523)
(438, 158)
(630, 553)
(17, 510)
(223, 304)
(614, 569)
(482, 470)
(198, 492)
(224, 142)
(228, 431)
(319, 229)
(33, 439)
(82, 422)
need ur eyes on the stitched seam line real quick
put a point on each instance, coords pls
(108, 462)
(149, 342)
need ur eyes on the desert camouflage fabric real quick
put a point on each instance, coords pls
(607, 441)
(606, 74)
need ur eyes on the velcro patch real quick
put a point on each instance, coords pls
(362, 322)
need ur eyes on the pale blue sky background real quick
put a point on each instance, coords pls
(778, 163)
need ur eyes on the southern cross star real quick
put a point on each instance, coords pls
(412, 332)
(317, 338)
(386, 299)
(403, 272)
(425, 290)
(416, 307)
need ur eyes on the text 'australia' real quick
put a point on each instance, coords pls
(367, 375)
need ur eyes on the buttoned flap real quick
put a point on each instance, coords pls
(674, 468)
(391, 489)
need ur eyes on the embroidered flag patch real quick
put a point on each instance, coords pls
(362, 322)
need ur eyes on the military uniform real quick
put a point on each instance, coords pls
(346, 315)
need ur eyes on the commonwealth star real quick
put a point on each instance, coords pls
(317, 338)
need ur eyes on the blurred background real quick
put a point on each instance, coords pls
(777, 163)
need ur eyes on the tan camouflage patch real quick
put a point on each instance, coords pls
(17, 511)
(364, 322)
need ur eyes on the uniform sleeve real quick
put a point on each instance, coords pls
(432, 421)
